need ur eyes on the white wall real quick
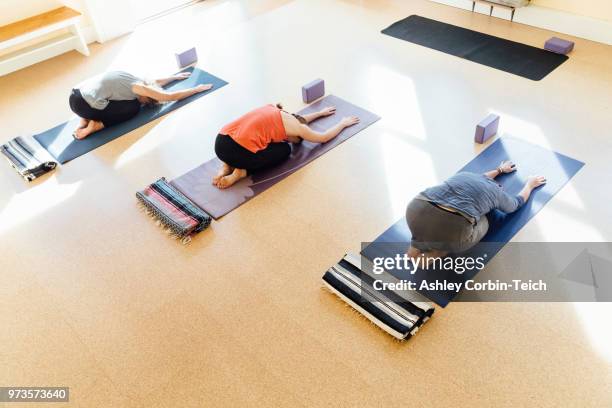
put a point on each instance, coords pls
(81, 6)
(599, 9)
(111, 18)
(562, 18)
(13, 10)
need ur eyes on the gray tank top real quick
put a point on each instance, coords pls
(110, 86)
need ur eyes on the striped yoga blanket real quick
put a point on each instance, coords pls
(173, 210)
(28, 157)
(386, 309)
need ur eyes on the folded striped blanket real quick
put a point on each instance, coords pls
(28, 157)
(173, 210)
(386, 309)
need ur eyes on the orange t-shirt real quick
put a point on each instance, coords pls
(257, 129)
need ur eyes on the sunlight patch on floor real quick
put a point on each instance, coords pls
(522, 129)
(554, 226)
(532, 133)
(595, 318)
(395, 94)
(402, 186)
(146, 144)
(34, 202)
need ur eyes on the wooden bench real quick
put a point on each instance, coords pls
(29, 29)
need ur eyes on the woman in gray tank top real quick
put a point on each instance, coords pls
(452, 217)
(117, 96)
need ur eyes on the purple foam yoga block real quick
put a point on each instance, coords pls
(187, 57)
(313, 90)
(486, 128)
(559, 45)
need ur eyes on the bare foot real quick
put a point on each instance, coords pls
(225, 170)
(230, 180)
(92, 126)
(83, 123)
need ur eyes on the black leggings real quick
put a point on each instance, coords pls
(115, 112)
(230, 152)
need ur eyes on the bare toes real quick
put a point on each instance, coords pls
(223, 183)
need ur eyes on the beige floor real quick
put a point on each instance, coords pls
(95, 297)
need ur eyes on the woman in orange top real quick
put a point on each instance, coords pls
(260, 139)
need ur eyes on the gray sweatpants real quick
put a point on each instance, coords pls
(435, 228)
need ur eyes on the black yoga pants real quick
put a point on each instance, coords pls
(115, 112)
(230, 152)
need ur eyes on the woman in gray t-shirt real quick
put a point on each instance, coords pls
(451, 217)
(117, 96)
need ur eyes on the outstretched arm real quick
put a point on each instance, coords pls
(164, 96)
(178, 77)
(509, 204)
(310, 117)
(307, 133)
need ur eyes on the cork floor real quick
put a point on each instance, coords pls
(95, 297)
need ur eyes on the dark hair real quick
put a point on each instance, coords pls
(300, 119)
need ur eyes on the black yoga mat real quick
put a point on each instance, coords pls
(509, 56)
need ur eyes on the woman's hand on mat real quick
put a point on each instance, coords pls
(349, 121)
(535, 181)
(202, 88)
(181, 76)
(328, 111)
(507, 166)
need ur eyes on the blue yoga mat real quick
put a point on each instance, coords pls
(62, 145)
(530, 159)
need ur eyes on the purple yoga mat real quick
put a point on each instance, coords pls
(196, 184)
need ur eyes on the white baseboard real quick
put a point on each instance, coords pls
(542, 17)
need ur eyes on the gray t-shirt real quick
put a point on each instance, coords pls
(110, 86)
(473, 195)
